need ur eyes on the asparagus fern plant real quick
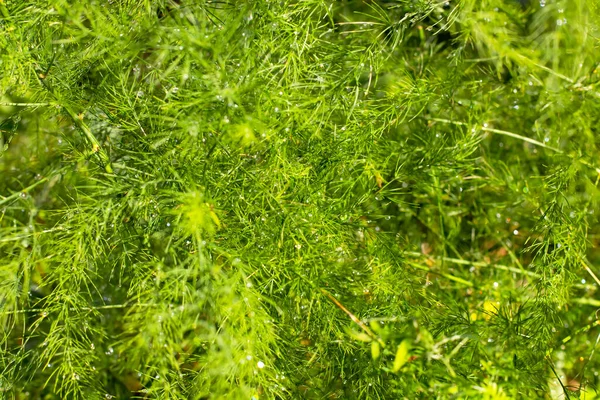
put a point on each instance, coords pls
(289, 199)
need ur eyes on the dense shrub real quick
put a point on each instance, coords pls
(308, 199)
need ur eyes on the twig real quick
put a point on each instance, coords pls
(516, 136)
(353, 317)
(3, 104)
(13, 196)
(511, 269)
(589, 270)
(87, 133)
(105, 307)
(478, 264)
(524, 138)
(500, 132)
(448, 276)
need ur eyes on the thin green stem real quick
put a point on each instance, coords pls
(4, 200)
(105, 307)
(5, 104)
(83, 128)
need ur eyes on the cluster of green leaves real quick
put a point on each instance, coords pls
(299, 199)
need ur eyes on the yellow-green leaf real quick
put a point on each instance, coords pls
(401, 355)
(375, 350)
(363, 337)
(588, 394)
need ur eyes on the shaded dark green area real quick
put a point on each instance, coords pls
(299, 199)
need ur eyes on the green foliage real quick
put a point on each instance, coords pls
(299, 199)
